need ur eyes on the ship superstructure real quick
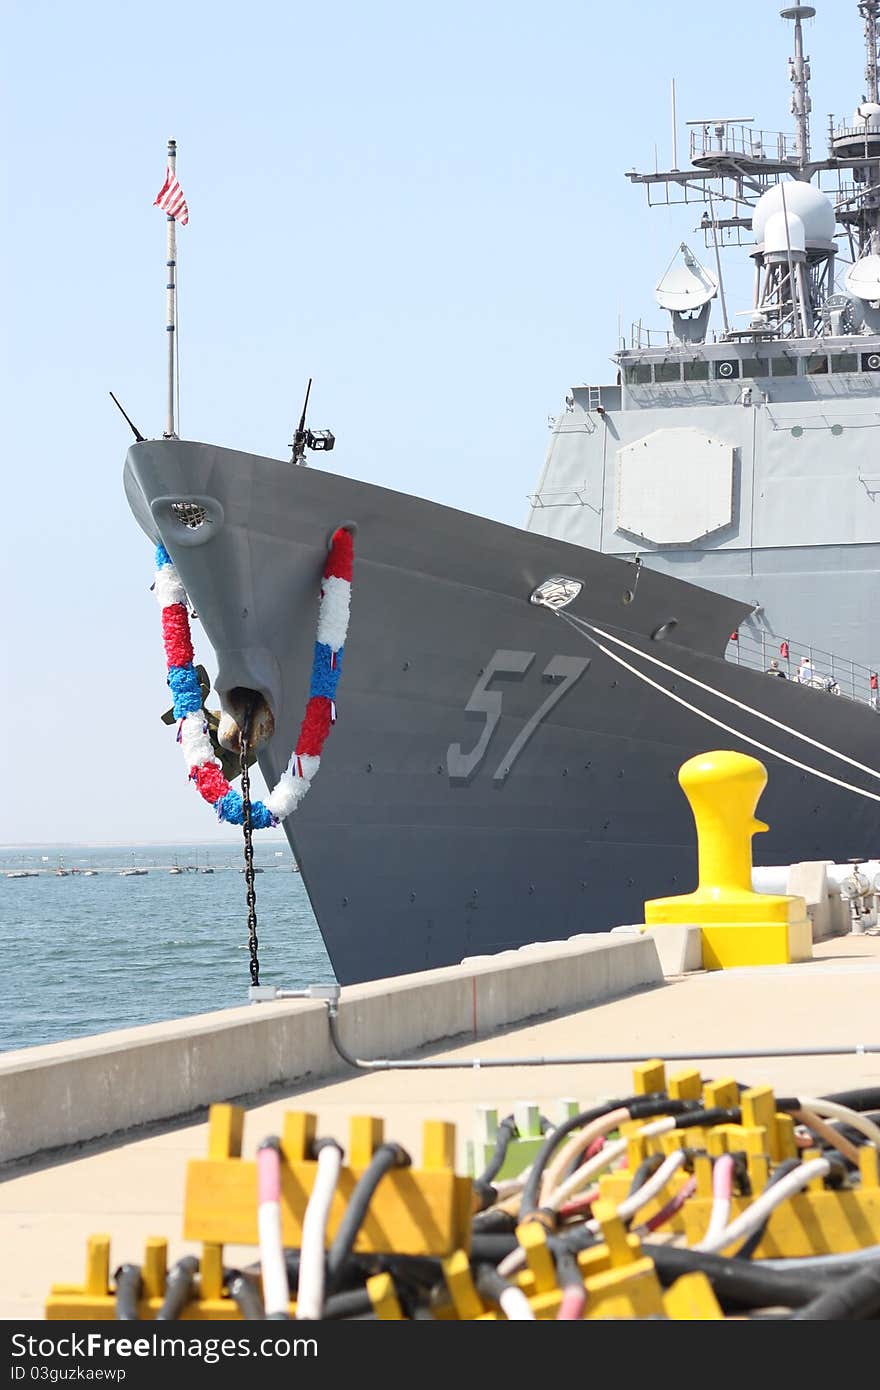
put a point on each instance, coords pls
(514, 705)
(744, 456)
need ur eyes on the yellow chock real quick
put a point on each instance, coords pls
(382, 1295)
(738, 926)
(692, 1298)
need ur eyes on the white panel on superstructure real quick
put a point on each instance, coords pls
(674, 486)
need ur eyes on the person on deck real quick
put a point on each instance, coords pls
(774, 669)
(805, 671)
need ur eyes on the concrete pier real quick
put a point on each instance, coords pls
(103, 1086)
(594, 997)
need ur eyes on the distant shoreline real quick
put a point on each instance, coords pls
(11, 848)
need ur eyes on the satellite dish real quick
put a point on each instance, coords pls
(685, 287)
(863, 278)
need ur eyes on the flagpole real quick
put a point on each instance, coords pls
(171, 298)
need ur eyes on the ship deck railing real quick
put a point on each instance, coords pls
(730, 138)
(835, 675)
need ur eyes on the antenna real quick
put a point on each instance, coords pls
(674, 135)
(171, 296)
(132, 426)
(799, 72)
(870, 12)
(308, 439)
(298, 444)
(718, 262)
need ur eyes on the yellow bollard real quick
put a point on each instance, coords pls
(738, 926)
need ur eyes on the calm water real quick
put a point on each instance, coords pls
(81, 955)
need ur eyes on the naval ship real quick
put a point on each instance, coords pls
(514, 704)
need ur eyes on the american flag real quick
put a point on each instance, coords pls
(171, 200)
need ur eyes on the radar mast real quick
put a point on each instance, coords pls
(763, 190)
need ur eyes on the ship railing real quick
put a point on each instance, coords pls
(862, 131)
(833, 674)
(743, 140)
(846, 192)
(642, 337)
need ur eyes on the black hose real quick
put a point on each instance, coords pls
(738, 1284)
(639, 1107)
(493, 1222)
(178, 1287)
(716, 1115)
(574, 1239)
(128, 1292)
(490, 1284)
(837, 1265)
(491, 1249)
(386, 1157)
(567, 1268)
(855, 1298)
(246, 1294)
(484, 1195)
(507, 1130)
(354, 1303)
(529, 1199)
(865, 1098)
(415, 1279)
(646, 1169)
(422, 1271)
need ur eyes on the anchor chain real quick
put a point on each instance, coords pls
(250, 893)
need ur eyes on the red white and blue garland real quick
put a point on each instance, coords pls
(192, 732)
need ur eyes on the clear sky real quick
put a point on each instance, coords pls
(423, 207)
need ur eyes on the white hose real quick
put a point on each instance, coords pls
(722, 1188)
(643, 1195)
(273, 1266)
(515, 1305)
(603, 1159)
(749, 1221)
(831, 1110)
(606, 1156)
(310, 1295)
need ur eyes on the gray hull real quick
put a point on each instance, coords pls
(551, 806)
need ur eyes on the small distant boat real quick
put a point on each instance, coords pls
(22, 873)
(132, 873)
(206, 870)
(89, 873)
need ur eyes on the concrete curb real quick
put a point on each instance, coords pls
(92, 1088)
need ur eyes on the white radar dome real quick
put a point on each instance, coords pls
(802, 200)
(867, 113)
(776, 238)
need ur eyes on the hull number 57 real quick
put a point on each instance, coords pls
(561, 671)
